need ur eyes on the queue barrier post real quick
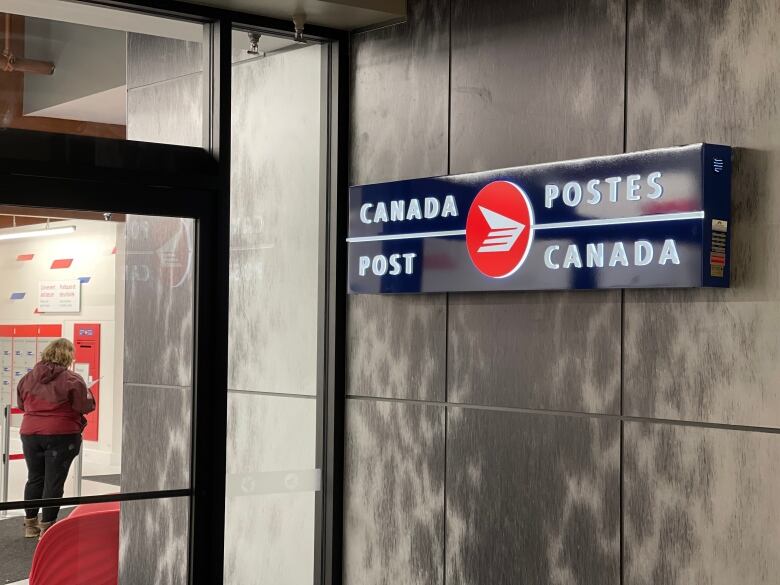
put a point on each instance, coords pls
(79, 468)
(6, 452)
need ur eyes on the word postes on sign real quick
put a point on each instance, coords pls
(658, 218)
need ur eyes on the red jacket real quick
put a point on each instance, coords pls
(54, 400)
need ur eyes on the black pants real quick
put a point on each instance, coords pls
(48, 459)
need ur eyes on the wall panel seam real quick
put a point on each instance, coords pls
(621, 460)
(170, 80)
(573, 414)
(267, 393)
(150, 386)
(447, 302)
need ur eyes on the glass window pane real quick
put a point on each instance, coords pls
(275, 237)
(158, 334)
(112, 403)
(143, 541)
(80, 69)
(276, 194)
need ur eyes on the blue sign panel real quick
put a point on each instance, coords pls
(650, 219)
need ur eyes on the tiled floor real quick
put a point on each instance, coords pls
(16, 552)
(92, 467)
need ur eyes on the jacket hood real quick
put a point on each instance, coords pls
(46, 371)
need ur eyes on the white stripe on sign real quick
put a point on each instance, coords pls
(408, 236)
(622, 220)
(545, 226)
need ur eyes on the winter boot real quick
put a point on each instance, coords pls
(44, 526)
(31, 528)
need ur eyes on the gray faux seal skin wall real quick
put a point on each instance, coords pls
(719, 81)
(534, 497)
(398, 130)
(522, 491)
(394, 493)
(164, 96)
(394, 459)
(394, 477)
(273, 315)
(702, 504)
(534, 82)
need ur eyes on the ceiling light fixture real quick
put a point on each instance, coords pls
(58, 231)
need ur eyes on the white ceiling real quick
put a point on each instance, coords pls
(340, 14)
(106, 107)
(101, 17)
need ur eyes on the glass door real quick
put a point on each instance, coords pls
(210, 336)
(276, 337)
(107, 271)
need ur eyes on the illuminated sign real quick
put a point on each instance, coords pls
(650, 219)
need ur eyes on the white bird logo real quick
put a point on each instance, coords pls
(503, 232)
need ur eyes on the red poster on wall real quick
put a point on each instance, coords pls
(86, 339)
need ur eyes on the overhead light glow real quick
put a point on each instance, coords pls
(57, 231)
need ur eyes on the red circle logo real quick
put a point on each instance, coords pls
(499, 229)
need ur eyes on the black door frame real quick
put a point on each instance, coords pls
(93, 174)
(49, 170)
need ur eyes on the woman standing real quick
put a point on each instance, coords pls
(54, 400)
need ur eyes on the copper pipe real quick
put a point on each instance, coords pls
(10, 62)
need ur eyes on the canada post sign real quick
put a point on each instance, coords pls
(658, 218)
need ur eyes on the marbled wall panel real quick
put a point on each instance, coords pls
(159, 284)
(159, 293)
(168, 112)
(532, 499)
(394, 494)
(701, 506)
(154, 542)
(270, 539)
(400, 77)
(535, 81)
(704, 72)
(396, 346)
(275, 238)
(156, 438)
(151, 59)
(556, 351)
(270, 511)
(398, 125)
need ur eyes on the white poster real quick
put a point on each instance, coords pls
(83, 371)
(59, 296)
